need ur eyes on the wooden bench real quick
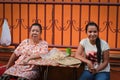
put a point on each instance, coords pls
(114, 62)
(5, 54)
(115, 58)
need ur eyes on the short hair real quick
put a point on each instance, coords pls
(37, 24)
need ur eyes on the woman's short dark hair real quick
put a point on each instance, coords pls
(37, 24)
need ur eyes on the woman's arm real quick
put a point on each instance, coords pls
(105, 61)
(80, 55)
(34, 56)
(43, 50)
(11, 60)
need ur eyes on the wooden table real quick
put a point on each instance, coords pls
(51, 70)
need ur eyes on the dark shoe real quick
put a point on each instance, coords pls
(5, 77)
(21, 78)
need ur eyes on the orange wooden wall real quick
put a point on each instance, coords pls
(58, 8)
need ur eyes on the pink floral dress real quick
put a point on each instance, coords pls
(24, 50)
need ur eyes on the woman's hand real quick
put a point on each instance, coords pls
(91, 67)
(89, 64)
(93, 71)
(26, 60)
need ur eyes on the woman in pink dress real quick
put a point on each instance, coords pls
(28, 49)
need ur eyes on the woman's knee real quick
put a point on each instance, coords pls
(102, 76)
(86, 75)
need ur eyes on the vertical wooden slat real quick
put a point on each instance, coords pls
(36, 20)
(45, 27)
(80, 16)
(116, 35)
(53, 23)
(28, 17)
(99, 15)
(62, 22)
(3, 10)
(71, 23)
(89, 11)
(20, 21)
(11, 23)
(107, 25)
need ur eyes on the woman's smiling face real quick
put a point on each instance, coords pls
(35, 32)
(92, 33)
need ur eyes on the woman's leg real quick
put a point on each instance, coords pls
(86, 75)
(102, 76)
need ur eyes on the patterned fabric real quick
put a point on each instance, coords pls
(25, 49)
